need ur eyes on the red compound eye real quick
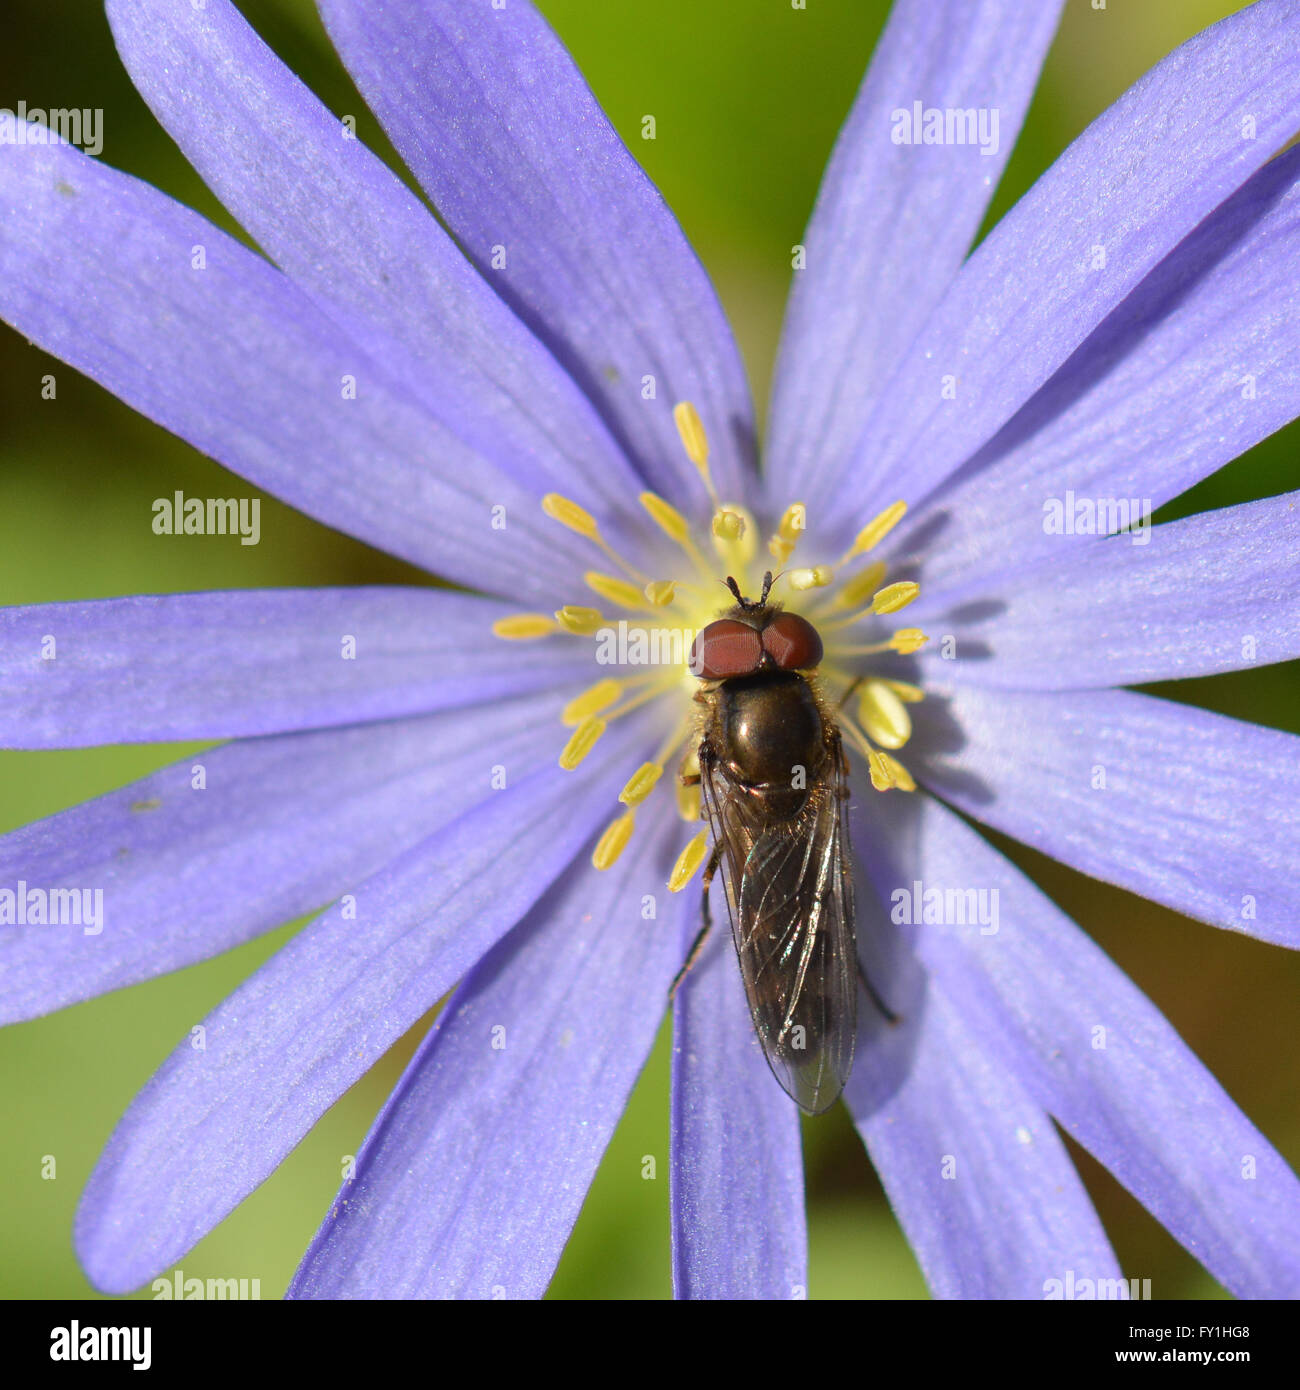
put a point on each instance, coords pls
(792, 642)
(726, 648)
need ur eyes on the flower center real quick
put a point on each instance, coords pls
(659, 619)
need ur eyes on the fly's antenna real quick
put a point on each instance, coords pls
(735, 589)
(767, 588)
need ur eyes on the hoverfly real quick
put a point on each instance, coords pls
(773, 778)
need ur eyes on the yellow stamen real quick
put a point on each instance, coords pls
(614, 841)
(882, 776)
(902, 777)
(666, 517)
(524, 627)
(876, 530)
(894, 596)
(592, 700)
(583, 740)
(661, 592)
(907, 692)
(582, 622)
(908, 640)
(859, 589)
(817, 577)
(617, 591)
(780, 550)
(734, 537)
(688, 862)
(794, 521)
(674, 525)
(571, 515)
(641, 784)
(695, 441)
(883, 715)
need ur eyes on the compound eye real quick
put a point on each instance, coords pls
(792, 642)
(726, 648)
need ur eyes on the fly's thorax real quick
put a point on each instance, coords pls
(769, 730)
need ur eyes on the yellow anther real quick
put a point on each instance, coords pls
(583, 740)
(859, 589)
(613, 841)
(878, 528)
(818, 577)
(592, 700)
(688, 862)
(618, 591)
(570, 514)
(907, 640)
(688, 802)
(780, 550)
(666, 517)
(524, 627)
(794, 521)
(582, 622)
(883, 715)
(694, 440)
(661, 592)
(902, 777)
(641, 784)
(894, 596)
(734, 536)
(907, 692)
(882, 775)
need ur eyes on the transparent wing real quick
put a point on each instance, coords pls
(790, 898)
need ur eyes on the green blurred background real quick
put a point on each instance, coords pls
(748, 96)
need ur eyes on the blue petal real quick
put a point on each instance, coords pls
(894, 220)
(279, 826)
(472, 1177)
(981, 1184)
(1133, 185)
(214, 1123)
(1215, 592)
(1098, 1055)
(737, 1166)
(1185, 807)
(203, 336)
(497, 124)
(226, 665)
(344, 227)
(1216, 324)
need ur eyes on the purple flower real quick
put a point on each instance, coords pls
(1126, 329)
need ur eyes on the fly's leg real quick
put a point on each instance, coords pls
(886, 1012)
(706, 920)
(852, 686)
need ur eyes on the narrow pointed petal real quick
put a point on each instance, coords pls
(213, 1124)
(342, 225)
(895, 218)
(180, 321)
(1214, 592)
(227, 665)
(496, 122)
(222, 846)
(981, 1184)
(737, 1164)
(1132, 186)
(1100, 1057)
(472, 1177)
(1182, 806)
(1215, 324)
